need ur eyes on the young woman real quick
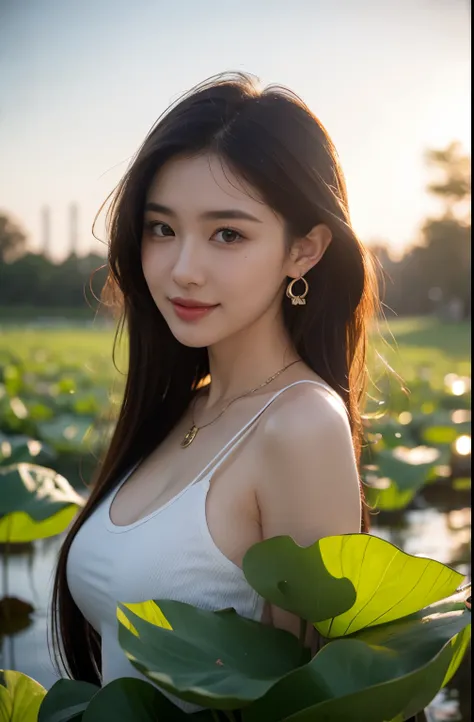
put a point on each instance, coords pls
(246, 297)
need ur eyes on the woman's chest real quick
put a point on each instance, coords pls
(171, 555)
(161, 486)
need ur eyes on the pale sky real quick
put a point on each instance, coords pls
(82, 82)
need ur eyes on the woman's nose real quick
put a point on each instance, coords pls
(187, 268)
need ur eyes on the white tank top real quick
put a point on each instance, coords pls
(168, 554)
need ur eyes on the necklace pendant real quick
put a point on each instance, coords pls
(190, 436)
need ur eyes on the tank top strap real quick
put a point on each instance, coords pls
(225, 452)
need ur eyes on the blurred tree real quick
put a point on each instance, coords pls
(12, 240)
(34, 280)
(446, 239)
(454, 185)
(434, 275)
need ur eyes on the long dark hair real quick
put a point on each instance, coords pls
(271, 139)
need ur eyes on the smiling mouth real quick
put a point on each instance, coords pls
(191, 305)
(191, 313)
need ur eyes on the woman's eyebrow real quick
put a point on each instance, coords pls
(207, 215)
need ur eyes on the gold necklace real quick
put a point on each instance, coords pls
(192, 433)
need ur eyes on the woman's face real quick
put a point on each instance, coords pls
(206, 240)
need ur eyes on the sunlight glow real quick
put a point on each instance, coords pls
(463, 445)
(458, 385)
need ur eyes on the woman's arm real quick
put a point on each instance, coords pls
(311, 484)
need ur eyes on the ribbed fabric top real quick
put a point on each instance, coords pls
(168, 554)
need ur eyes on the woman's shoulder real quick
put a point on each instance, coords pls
(311, 485)
(305, 402)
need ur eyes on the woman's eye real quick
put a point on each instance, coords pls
(229, 235)
(160, 229)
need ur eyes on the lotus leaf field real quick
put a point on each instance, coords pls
(395, 624)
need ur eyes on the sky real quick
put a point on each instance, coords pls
(82, 83)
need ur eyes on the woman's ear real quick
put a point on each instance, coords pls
(307, 251)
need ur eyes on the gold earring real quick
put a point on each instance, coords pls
(297, 300)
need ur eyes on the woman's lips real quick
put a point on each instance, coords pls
(191, 313)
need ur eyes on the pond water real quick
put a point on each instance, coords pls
(425, 531)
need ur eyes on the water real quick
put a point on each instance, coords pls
(431, 532)
(30, 579)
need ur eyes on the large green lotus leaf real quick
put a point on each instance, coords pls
(400, 485)
(380, 674)
(385, 495)
(19, 527)
(66, 431)
(213, 659)
(19, 449)
(389, 583)
(35, 502)
(460, 647)
(299, 579)
(456, 602)
(20, 697)
(148, 611)
(134, 700)
(407, 468)
(66, 701)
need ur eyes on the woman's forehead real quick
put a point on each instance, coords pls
(204, 182)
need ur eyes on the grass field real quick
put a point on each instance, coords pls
(416, 345)
(406, 345)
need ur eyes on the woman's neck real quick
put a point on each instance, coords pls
(241, 363)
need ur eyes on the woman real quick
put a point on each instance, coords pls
(231, 257)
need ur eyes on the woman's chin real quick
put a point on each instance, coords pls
(194, 338)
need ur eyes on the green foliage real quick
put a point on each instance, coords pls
(285, 577)
(20, 697)
(399, 474)
(133, 700)
(66, 701)
(12, 240)
(21, 449)
(455, 167)
(123, 700)
(414, 440)
(387, 653)
(35, 503)
(356, 581)
(394, 670)
(53, 391)
(213, 659)
(55, 406)
(439, 261)
(33, 280)
(388, 648)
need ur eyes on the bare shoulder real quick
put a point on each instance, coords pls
(310, 487)
(304, 407)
